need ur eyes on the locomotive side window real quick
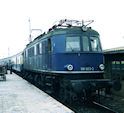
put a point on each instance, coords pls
(40, 48)
(49, 45)
(95, 44)
(85, 43)
(72, 44)
(35, 50)
(32, 51)
(43, 47)
(26, 53)
(29, 52)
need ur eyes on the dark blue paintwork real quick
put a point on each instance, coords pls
(78, 60)
(58, 58)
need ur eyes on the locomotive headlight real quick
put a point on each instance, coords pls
(102, 67)
(69, 67)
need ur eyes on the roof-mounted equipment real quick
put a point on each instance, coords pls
(72, 23)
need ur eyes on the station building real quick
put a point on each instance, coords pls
(114, 66)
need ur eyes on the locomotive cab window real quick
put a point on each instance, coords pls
(85, 43)
(95, 44)
(72, 44)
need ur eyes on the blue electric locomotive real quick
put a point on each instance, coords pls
(67, 61)
(69, 50)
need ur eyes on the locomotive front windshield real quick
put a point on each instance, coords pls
(95, 44)
(73, 44)
(83, 43)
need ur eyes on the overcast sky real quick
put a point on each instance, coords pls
(108, 16)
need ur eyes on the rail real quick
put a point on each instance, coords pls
(103, 108)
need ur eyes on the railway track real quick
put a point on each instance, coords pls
(92, 107)
(103, 108)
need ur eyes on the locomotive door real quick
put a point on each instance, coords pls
(47, 54)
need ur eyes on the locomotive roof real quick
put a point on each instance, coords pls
(73, 30)
(60, 31)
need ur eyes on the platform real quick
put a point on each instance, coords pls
(19, 96)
